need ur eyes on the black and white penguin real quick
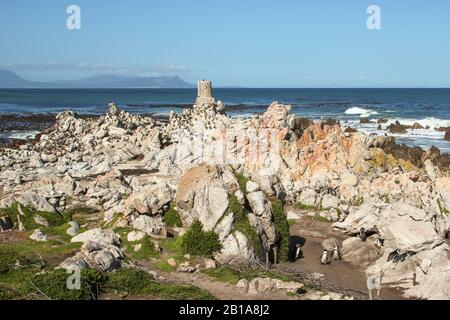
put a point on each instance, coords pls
(379, 242)
(295, 251)
(394, 254)
(324, 258)
(336, 254)
(298, 251)
(363, 234)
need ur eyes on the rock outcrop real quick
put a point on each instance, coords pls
(224, 172)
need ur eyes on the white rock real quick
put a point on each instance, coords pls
(98, 235)
(34, 200)
(330, 201)
(149, 225)
(252, 186)
(38, 235)
(134, 236)
(73, 229)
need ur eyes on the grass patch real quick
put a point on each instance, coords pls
(53, 219)
(81, 215)
(147, 251)
(177, 292)
(163, 265)
(319, 218)
(139, 282)
(113, 221)
(197, 242)
(301, 206)
(230, 275)
(282, 228)
(172, 218)
(443, 210)
(51, 248)
(172, 245)
(358, 201)
(292, 222)
(242, 181)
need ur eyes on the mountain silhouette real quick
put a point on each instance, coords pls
(9, 79)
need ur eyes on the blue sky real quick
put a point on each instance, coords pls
(254, 43)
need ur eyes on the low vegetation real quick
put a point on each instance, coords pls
(301, 206)
(232, 275)
(242, 181)
(282, 227)
(30, 277)
(198, 242)
(242, 223)
(172, 218)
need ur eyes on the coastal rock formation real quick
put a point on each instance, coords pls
(227, 173)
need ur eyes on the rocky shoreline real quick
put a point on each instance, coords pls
(159, 179)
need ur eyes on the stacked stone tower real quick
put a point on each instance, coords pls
(204, 92)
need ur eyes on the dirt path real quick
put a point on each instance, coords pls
(220, 290)
(339, 276)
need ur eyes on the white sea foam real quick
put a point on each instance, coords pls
(431, 122)
(360, 111)
(19, 135)
(424, 138)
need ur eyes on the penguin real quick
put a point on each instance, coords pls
(403, 256)
(379, 242)
(298, 252)
(336, 254)
(324, 259)
(362, 234)
(393, 255)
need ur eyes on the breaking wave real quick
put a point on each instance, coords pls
(360, 111)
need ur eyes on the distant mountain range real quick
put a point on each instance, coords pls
(9, 79)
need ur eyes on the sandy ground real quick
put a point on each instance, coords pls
(339, 276)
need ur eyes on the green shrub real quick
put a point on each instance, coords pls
(10, 259)
(53, 285)
(172, 218)
(131, 281)
(7, 293)
(282, 228)
(7, 261)
(242, 223)
(200, 243)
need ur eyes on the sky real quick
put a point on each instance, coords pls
(251, 43)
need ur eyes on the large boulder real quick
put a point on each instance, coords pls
(149, 200)
(236, 250)
(202, 195)
(360, 253)
(35, 201)
(407, 228)
(149, 225)
(101, 236)
(364, 216)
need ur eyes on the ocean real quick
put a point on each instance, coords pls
(429, 107)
